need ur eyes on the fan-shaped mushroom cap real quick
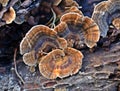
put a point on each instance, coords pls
(9, 15)
(104, 13)
(71, 17)
(59, 63)
(116, 23)
(92, 33)
(39, 41)
(29, 58)
(38, 37)
(78, 30)
(4, 2)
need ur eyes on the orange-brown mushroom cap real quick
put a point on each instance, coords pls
(38, 42)
(29, 58)
(78, 30)
(116, 23)
(59, 63)
(71, 17)
(38, 36)
(92, 32)
(9, 16)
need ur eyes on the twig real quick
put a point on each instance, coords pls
(54, 18)
(15, 52)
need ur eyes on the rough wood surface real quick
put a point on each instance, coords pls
(100, 72)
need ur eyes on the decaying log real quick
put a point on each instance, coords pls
(100, 72)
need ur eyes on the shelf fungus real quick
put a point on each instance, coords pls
(116, 23)
(105, 13)
(9, 16)
(78, 30)
(61, 63)
(38, 42)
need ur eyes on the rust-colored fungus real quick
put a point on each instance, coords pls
(61, 63)
(78, 30)
(9, 16)
(104, 13)
(4, 2)
(116, 23)
(92, 33)
(74, 9)
(29, 58)
(39, 41)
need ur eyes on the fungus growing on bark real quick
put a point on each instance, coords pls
(9, 15)
(78, 30)
(104, 13)
(39, 41)
(61, 63)
(116, 23)
(92, 33)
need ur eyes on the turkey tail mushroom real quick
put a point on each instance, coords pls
(38, 42)
(104, 13)
(78, 30)
(92, 33)
(61, 63)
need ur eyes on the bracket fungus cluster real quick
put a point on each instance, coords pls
(78, 30)
(39, 41)
(106, 13)
(55, 50)
(42, 45)
(61, 63)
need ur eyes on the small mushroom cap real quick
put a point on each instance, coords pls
(59, 63)
(71, 17)
(4, 2)
(9, 16)
(29, 58)
(116, 23)
(92, 32)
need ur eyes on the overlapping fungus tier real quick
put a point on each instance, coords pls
(78, 30)
(61, 63)
(38, 41)
(105, 13)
